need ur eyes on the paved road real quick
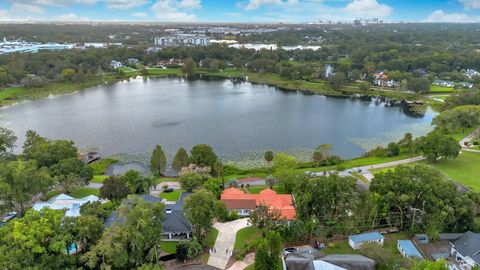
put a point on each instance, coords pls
(225, 242)
(470, 137)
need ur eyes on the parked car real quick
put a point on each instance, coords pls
(289, 250)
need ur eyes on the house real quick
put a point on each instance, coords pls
(444, 83)
(310, 259)
(466, 85)
(381, 79)
(329, 71)
(471, 72)
(65, 202)
(115, 64)
(132, 61)
(175, 224)
(356, 241)
(467, 249)
(237, 201)
(408, 249)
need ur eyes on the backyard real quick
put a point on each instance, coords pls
(464, 169)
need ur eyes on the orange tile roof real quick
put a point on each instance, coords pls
(268, 197)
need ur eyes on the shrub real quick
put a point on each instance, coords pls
(188, 249)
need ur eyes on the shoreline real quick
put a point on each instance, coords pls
(315, 88)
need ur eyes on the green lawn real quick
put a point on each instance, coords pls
(245, 238)
(171, 196)
(100, 167)
(99, 178)
(84, 191)
(11, 93)
(465, 169)
(211, 238)
(168, 246)
(440, 89)
(257, 189)
(461, 134)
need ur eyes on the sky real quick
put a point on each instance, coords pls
(287, 11)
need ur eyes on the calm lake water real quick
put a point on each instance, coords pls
(132, 117)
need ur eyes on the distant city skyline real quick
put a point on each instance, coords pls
(249, 11)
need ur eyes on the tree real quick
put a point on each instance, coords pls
(114, 188)
(393, 149)
(325, 149)
(264, 218)
(190, 181)
(201, 208)
(364, 86)
(317, 157)
(70, 173)
(37, 240)
(180, 160)
(47, 153)
(337, 81)
(187, 250)
(203, 155)
(284, 161)
(270, 181)
(461, 117)
(436, 144)
(132, 243)
(213, 186)
(68, 74)
(20, 182)
(143, 184)
(418, 85)
(218, 168)
(7, 142)
(189, 67)
(158, 161)
(268, 252)
(268, 156)
(440, 207)
(131, 177)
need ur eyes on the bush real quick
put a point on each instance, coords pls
(475, 142)
(233, 216)
(340, 167)
(188, 249)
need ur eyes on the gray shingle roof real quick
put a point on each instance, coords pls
(469, 245)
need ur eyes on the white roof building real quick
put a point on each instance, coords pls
(65, 202)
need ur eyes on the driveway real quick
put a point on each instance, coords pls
(225, 242)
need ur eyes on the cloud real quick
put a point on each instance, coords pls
(190, 4)
(471, 4)
(4, 15)
(54, 3)
(125, 4)
(256, 4)
(440, 16)
(368, 8)
(26, 8)
(171, 11)
(72, 17)
(139, 14)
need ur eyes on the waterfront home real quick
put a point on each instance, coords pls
(115, 64)
(67, 203)
(381, 79)
(408, 249)
(358, 240)
(237, 201)
(471, 72)
(466, 85)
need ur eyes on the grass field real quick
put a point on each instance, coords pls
(245, 239)
(99, 178)
(84, 191)
(171, 196)
(440, 89)
(465, 169)
(100, 167)
(168, 246)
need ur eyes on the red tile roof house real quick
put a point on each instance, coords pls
(243, 204)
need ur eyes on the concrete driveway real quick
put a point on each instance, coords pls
(225, 242)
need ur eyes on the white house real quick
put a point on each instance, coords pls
(115, 64)
(444, 83)
(356, 241)
(471, 72)
(466, 249)
(65, 202)
(329, 71)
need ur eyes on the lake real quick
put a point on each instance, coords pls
(237, 119)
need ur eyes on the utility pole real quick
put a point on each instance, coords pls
(413, 218)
